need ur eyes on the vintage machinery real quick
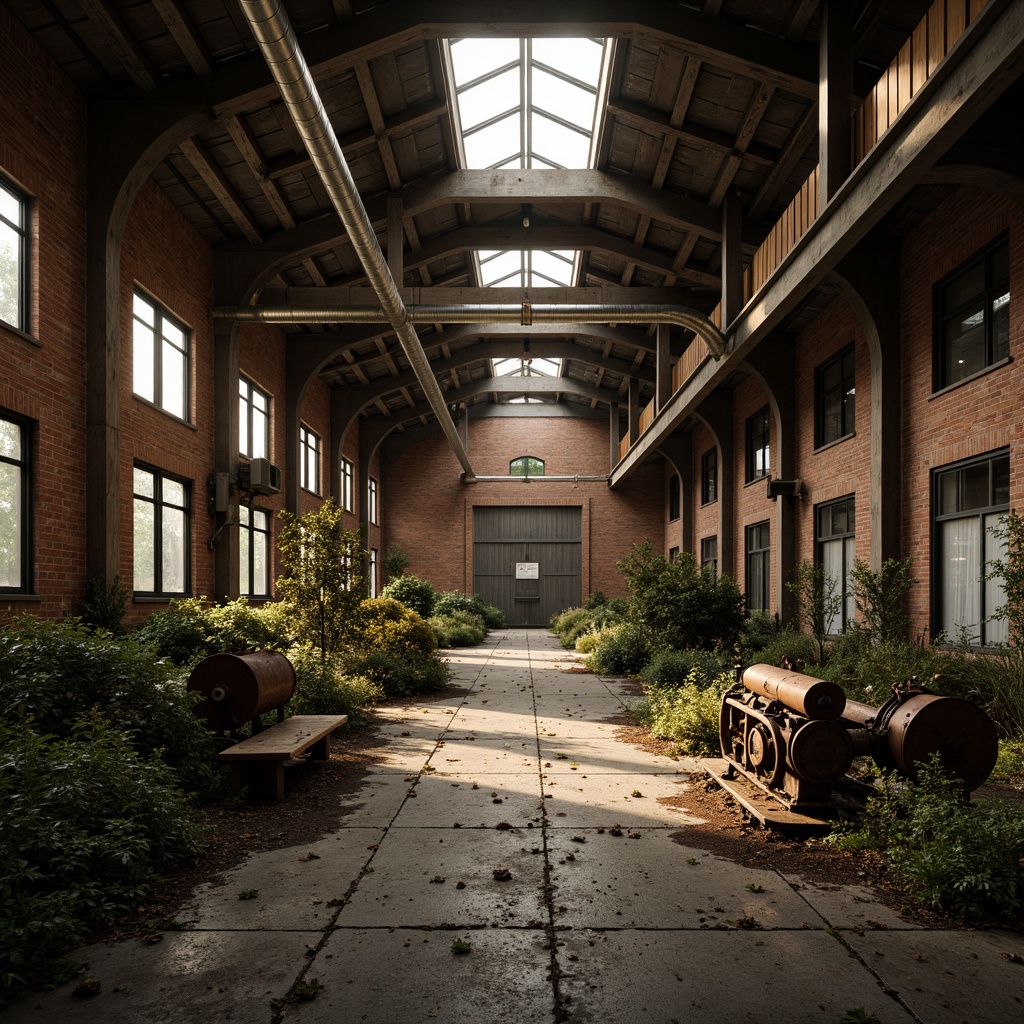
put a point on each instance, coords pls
(795, 736)
(239, 688)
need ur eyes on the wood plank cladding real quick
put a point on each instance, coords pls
(686, 365)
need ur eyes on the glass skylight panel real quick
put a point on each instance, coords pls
(563, 146)
(564, 99)
(493, 95)
(497, 143)
(580, 56)
(472, 58)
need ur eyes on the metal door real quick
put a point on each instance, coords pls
(527, 560)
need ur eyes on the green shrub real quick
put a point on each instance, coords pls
(413, 592)
(881, 598)
(760, 629)
(86, 825)
(678, 605)
(1009, 769)
(450, 601)
(587, 642)
(621, 651)
(687, 714)
(387, 626)
(458, 629)
(104, 604)
(239, 627)
(596, 599)
(180, 632)
(321, 688)
(787, 643)
(399, 676)
(54, 672)
(673, 668)
(958, 856)
(396, 561)
(573, 623)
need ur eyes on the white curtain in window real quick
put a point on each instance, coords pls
(960, 575)
(833, 561)
(996, 630)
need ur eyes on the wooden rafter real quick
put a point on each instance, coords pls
(180, 25)
(222, 189)
(123, 43)
(247, 145)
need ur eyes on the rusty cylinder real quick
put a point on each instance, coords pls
(817, 699)
(237, 688)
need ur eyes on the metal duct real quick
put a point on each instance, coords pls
(524, 313)
(277, 41)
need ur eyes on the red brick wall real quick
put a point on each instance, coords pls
(429, 511)
(751, 504)
(42, 151)
(981, 414)
(845, 466)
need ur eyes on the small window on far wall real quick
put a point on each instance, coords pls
(758, 448)
(758, 566)
(371, 501)
(14, 256)
(673, 498)
(709, 554)
(526, 465)
(160, 533)
(972, 315)
(15, 518)
(709, 477)
(253, 551)
(835, 533)
(373, 572)
(835, 394)
(253, 420)
(160, 357)
(348, 484)
(673, 554)
(309, 453)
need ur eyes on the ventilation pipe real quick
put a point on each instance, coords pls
(280, 48)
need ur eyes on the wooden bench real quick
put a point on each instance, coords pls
(258, 762)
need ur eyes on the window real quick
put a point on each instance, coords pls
(526, 465)
(972, 312)
(673, 554)
(758, 433)
(835, 395)
(709, 477)
(373, 572)
(161, 357)
(14, 256)
(15, 517)
(835, 552)
(970, 500)
(371, 501)
(348, 485)
(253, 420)
(673, 498)
(309, 453)
(253, 551)
(709, 554)
(161, 533)
(758, 566)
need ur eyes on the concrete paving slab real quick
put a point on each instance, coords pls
(375, 803)
(502, 980)
(948, 977)
(717, 977)
(443, 799)
(848, 906)
(290, 888)
(186, 977)
(401, 889)
(644, 879)
(515, 755)
(592, 801)
(593, 754)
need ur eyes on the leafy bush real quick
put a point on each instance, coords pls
(759, 630)
(399, 676)
(396, 561)
(621, 651)
(459, 629)
(596, 599)
(104, 604)
(413, 592)
(86, 824)
(238, 626)
(180, 632)
(688, 714)
(678, 605)
(881, 598)
(573, 623)
(390, 627)
(673, 668)
(787, 643)
(450, 601)
(321, 688)
(54, 672)
(961, 857)
(1009, 769)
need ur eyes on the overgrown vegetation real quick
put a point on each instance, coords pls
(688, 713)
(413, 592)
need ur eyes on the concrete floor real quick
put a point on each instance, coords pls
(604, 916)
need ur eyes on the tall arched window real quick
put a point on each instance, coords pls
(526, 465)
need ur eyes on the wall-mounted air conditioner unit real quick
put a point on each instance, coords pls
(260, 476)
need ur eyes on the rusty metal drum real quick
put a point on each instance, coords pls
(813, 698)
(237, 688)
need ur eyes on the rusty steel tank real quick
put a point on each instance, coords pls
(239, 688)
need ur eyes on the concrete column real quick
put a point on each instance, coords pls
(663, 372)
(835, 98)
(226, 457)
(732, 258)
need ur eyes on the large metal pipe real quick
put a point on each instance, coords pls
(523, 313)
(280, 48)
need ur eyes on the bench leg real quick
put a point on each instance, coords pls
(321, 750)
(264, 779)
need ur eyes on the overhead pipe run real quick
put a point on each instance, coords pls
(280, 48)
(525, 313)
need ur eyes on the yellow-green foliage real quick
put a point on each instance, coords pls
(389, 627)
(687, 714)
(586, 643)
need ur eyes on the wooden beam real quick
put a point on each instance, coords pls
(254, 158)
(123, 43)
(191, 44)
(835, 98)
(372, 104)
(222, 189)
(800, 140)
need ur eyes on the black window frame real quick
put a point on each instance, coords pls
(845, 388)
(252, 530)
(372, 581)
(372, 501)
(27, 428)
(673, 554)
(157, 500)
(826, 511)
(709, 477)
(709, 553)
(675, 498)
(246, 402)
(348, 485)
(981, 512)
(160, 314)
(23, 231)
(310, 442)
(759, 432)
(523, 465)
(994, 288)
(762, 553)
